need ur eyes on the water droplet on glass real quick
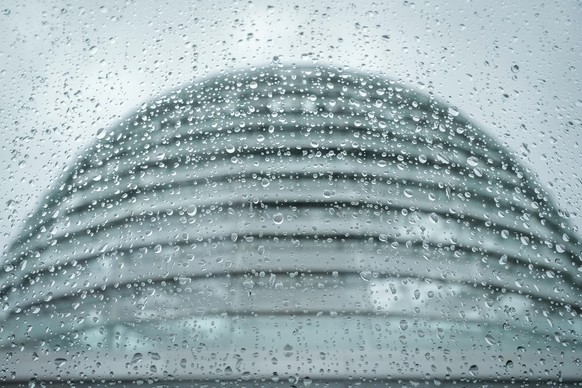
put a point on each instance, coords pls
(288, 350)
(278, 218)
(490, 340)
(101, 133)
(403, 324)
(366, 275)
(453, 111)
(474, 370)
(137, 357)
(472, 161)
(192, 210)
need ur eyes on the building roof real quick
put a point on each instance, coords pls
(294, 214)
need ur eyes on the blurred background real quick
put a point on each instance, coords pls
(67, 71)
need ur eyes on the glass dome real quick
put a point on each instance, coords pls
(294, 223)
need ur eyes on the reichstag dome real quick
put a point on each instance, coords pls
(294, 224)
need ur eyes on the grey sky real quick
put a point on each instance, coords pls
(68, 70)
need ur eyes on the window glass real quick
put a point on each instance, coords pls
(331, 193)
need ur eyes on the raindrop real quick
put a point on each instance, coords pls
(490, 340)
(472, 161)
(101, 133)
(278, 218)
(403, 324)
(453, 111)
(366, 275)
(474, 370)
(288, 350)
(137, 357)
(192, 210)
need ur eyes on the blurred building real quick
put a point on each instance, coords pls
(294, 223)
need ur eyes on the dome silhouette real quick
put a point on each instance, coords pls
(296, 221)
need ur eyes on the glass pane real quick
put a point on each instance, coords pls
(321, 194)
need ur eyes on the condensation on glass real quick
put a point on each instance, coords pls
(288, 224)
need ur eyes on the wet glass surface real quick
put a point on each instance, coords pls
(319, 195)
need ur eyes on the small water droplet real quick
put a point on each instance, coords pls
(278, 218)
(453, 111)
(192, 210)
(474, 370)
(515, 69)
(403, 324)
(288, 350)
(472, 161)
(366, 275)
(137, 357)
(408, 193)
(490, 340)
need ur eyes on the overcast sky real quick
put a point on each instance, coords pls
(68, 70)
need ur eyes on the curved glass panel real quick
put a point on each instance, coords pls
(294, 223)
